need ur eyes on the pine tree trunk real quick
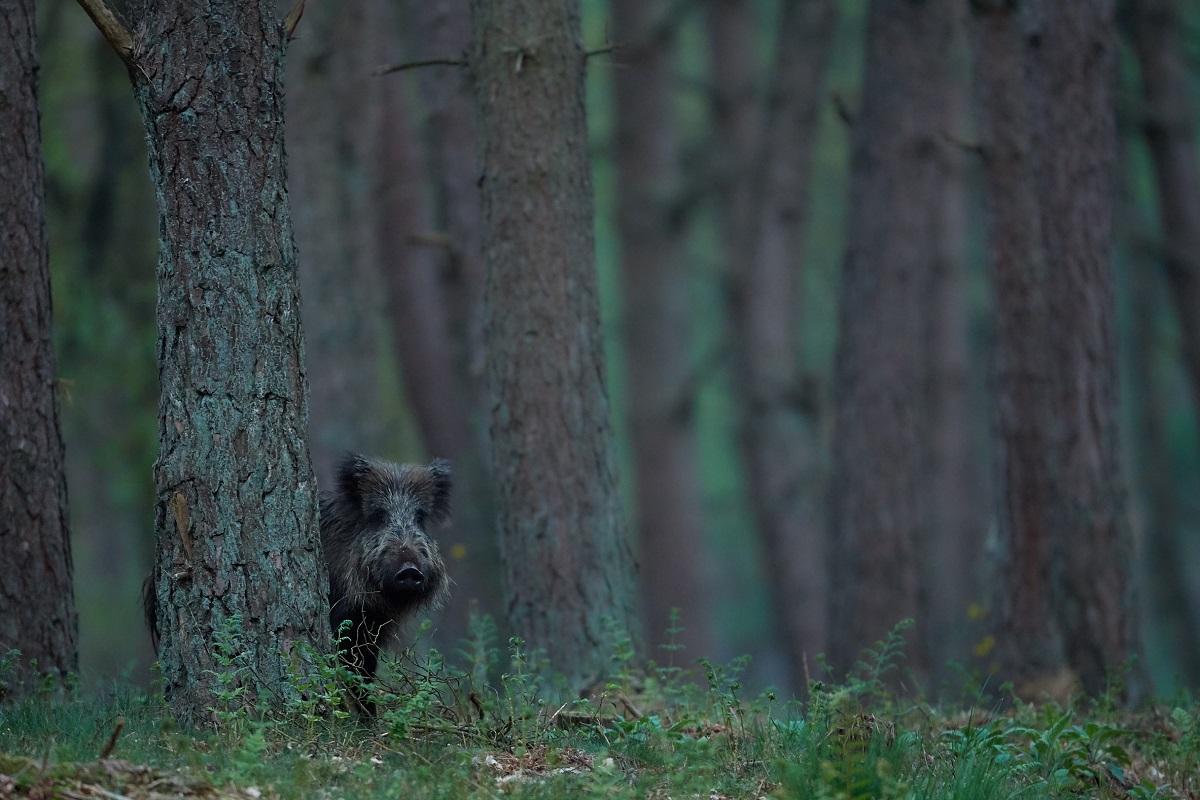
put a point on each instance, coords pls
(568, 567)
(778, 437)
(35, 550)
(236, 511)
(655, 289)
(1029, 639)
(1072, 72)
(896, 230)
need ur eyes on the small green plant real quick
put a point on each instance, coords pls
(725, 706)
(230, 688)
(974, 763)
(869, 678)
(673, 647)
(1185, 754)
(624, 652)
(479, 651)
(320, 684)
(1073, 757)
(671, 683)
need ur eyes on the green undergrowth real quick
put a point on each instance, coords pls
(497, 727)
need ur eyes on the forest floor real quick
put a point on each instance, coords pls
(656, 733)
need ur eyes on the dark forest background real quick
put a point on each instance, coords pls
(373, 177)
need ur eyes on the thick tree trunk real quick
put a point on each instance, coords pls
(569, 573)
(35, 550)
(1028, 636)
(1072, 71)
(896, 230)
(655, 294)
(332, 120)
(779, 442)
(1170, 130)
(236, 512)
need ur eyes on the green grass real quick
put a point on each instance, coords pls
(497, 728)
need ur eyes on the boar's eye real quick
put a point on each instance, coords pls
(377, 517)
(419, 517)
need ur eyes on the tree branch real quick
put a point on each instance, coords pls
(293, 18)
(386, 69)
(429, 62)
(111, 27)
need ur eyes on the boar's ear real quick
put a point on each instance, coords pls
(350, 473)
(435, 491)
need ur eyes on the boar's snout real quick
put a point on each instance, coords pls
(407, 580)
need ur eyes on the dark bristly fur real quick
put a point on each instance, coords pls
(383, 567)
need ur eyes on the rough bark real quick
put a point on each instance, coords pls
(897, 205)
(1029, 639)
(566, 556)
(332, 118)
(237, 546)
(1071, 73)
(35, 550)
(1170, 131)
(655, 295)
(778, 436)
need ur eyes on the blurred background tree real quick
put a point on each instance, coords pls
(745, 558)
(36, 585)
